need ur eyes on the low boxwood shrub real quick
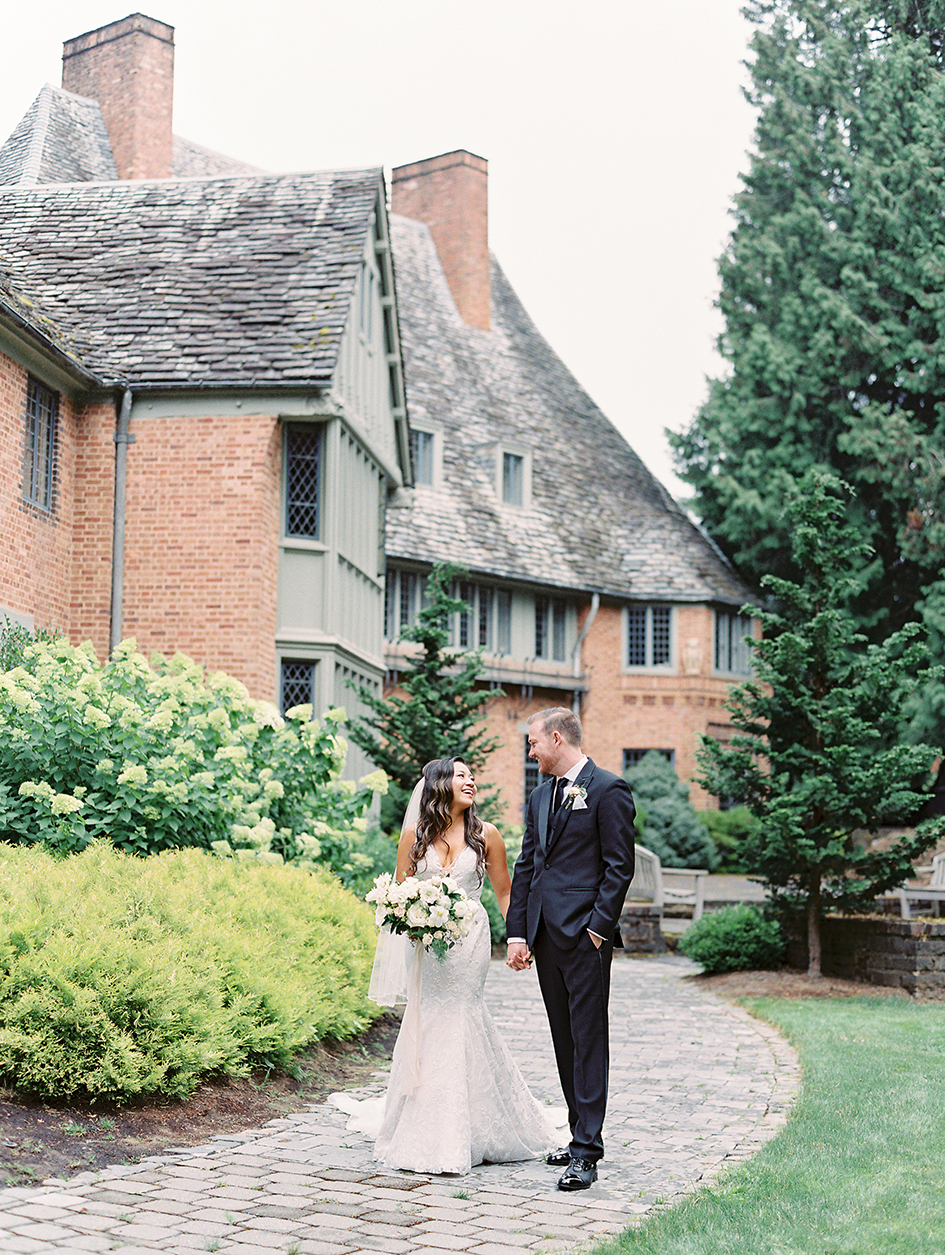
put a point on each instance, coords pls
(734, 938)
(122, 976)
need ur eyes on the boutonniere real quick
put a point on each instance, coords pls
(574, 797)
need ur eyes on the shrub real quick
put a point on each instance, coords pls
(160, 755)
(734, 938)
(728, 829)
(175, 968)
(666, 820)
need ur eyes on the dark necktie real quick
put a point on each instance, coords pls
(557, 793)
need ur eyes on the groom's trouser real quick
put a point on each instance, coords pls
(575, 986)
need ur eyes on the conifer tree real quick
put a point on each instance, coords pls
(441, 714)
(816, 755)
(833, 298)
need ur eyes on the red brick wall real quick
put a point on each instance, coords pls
(35, 558)
(202, 542)
(91, 590)
(128, 67)
(636, 710)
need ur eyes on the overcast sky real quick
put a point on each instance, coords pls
(615, 132)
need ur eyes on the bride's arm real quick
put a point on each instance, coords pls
(407, 838)
(497, 865)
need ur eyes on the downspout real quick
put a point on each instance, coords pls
(576, 655)
(122, 440)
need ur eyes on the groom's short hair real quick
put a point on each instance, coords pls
(560, 719)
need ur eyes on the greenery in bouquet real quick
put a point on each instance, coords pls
(434, 913)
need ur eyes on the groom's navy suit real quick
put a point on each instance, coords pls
(572, 876)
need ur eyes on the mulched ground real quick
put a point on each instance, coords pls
(38, 1140)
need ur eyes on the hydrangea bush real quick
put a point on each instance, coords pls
(159, 755)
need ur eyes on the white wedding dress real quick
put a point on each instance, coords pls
(456, 1097)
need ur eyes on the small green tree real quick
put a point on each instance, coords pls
(666, 820)
(816, 754)
(442, 712)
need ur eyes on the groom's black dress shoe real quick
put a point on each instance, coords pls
(559, 1158)
(580, 1174)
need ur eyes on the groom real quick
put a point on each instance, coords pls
(568, 889)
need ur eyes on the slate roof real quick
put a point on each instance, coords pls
(244, 280)
(60, 139)
(190, 161)
(599, 520)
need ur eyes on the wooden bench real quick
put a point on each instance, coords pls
(933, 892)
(666, 886)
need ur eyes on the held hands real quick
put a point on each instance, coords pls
(519, 957)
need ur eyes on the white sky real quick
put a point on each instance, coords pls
(615, 132)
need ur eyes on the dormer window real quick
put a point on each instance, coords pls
(514, 469)
(424, 448)
(513, 478)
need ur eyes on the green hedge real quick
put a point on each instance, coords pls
(122, 976)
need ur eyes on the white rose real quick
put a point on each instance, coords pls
(416, 914)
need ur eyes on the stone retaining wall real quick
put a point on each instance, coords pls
(640, 929)
(903, 953)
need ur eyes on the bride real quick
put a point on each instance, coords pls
(456, 1097)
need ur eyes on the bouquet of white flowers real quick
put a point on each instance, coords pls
(435, 912)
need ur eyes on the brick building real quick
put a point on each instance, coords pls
(588, 585)
(204, 442)
(197, 376)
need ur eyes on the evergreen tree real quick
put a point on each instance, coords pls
(666, 820)
(833, 296)
(816, 754)
(441, 715)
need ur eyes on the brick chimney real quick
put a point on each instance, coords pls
(450, 194)
(128, 67)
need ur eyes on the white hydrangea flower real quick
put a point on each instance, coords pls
(65, 804)
(376, 781)
(133, 774)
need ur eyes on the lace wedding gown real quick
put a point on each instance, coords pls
(456, 1096)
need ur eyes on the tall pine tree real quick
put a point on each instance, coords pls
(833, 296)
(816, 754)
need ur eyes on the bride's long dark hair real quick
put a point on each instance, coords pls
(436, 803)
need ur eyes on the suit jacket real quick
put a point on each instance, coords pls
(577, 876)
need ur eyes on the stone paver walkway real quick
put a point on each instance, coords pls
(696, 1084)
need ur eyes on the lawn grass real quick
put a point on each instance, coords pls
(859, 1169)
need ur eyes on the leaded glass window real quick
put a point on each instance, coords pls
(298, 683)
(303, 479)
(41, 405)
(649, 636)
